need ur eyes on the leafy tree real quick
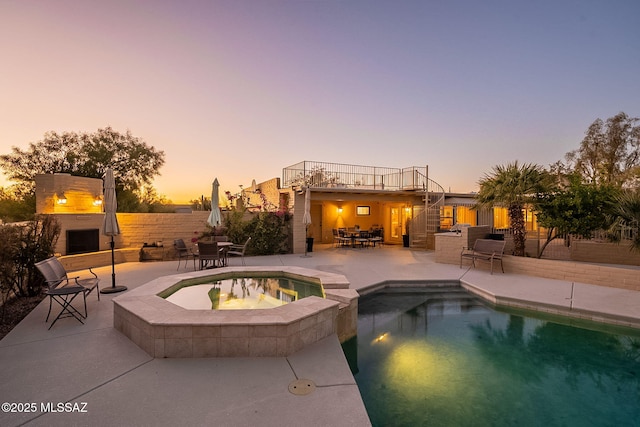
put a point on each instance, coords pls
(134, 163)
(16, 207)
(578, 209)
(514, 186)
(609, 153)
(152, 202)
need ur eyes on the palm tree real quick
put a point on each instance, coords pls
(627, 212)
(513, 186)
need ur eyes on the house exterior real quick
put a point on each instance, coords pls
(400, 201)
(354, 196)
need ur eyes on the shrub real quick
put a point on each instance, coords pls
(267, 230)
(23, 246)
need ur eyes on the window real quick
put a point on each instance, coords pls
(465, 215)
(500, 217)
(363, 210)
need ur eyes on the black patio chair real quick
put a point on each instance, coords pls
(209, 252)
(183, 252)
(63, 289)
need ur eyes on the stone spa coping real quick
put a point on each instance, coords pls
(164, 329)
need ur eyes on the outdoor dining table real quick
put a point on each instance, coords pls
(354, 236)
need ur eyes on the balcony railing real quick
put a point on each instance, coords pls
(337, 175)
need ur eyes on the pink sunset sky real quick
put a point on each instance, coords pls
(240, 89)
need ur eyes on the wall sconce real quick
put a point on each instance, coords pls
(61, 199)
(97, 201)
(339, 211)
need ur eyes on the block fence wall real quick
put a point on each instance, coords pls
(137, 228)
(449, 246)
(604, 252)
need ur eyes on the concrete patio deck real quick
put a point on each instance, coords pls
(113, 382)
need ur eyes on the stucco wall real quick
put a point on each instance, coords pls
(80, 193)
(272, 192)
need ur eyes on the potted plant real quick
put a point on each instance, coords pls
(309, 239)
(405, 236)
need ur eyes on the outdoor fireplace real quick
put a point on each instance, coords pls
(83, 241)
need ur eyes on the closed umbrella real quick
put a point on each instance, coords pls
(110, 226)
(215, 218)
(306, 217)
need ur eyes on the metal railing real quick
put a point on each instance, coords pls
(339, 175)
(558, 248)
(426, 219)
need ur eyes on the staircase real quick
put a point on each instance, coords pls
(426, 221)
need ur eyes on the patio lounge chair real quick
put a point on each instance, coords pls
(63, 289)
(183, 252)
(239, 250)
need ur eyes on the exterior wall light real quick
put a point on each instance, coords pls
(97, 201)
(339, 211)
(61, 199)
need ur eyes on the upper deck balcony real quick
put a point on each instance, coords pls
(337, 175)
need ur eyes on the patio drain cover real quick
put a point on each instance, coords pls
(302, 387)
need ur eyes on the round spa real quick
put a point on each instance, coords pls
(237, 312)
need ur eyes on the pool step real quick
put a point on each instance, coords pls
(406, 298)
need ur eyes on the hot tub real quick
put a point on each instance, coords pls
(236, 291)
(164, 329)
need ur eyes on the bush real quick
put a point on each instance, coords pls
(23, 246)
(267, 230)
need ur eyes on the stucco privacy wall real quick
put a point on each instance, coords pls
(449, 246)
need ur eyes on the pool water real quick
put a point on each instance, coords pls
(442, 357)
(242, 293)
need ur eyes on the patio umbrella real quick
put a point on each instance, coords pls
(215, 218)
(110, 226)
(306, 217)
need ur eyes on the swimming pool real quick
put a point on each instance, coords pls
(441, 356)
